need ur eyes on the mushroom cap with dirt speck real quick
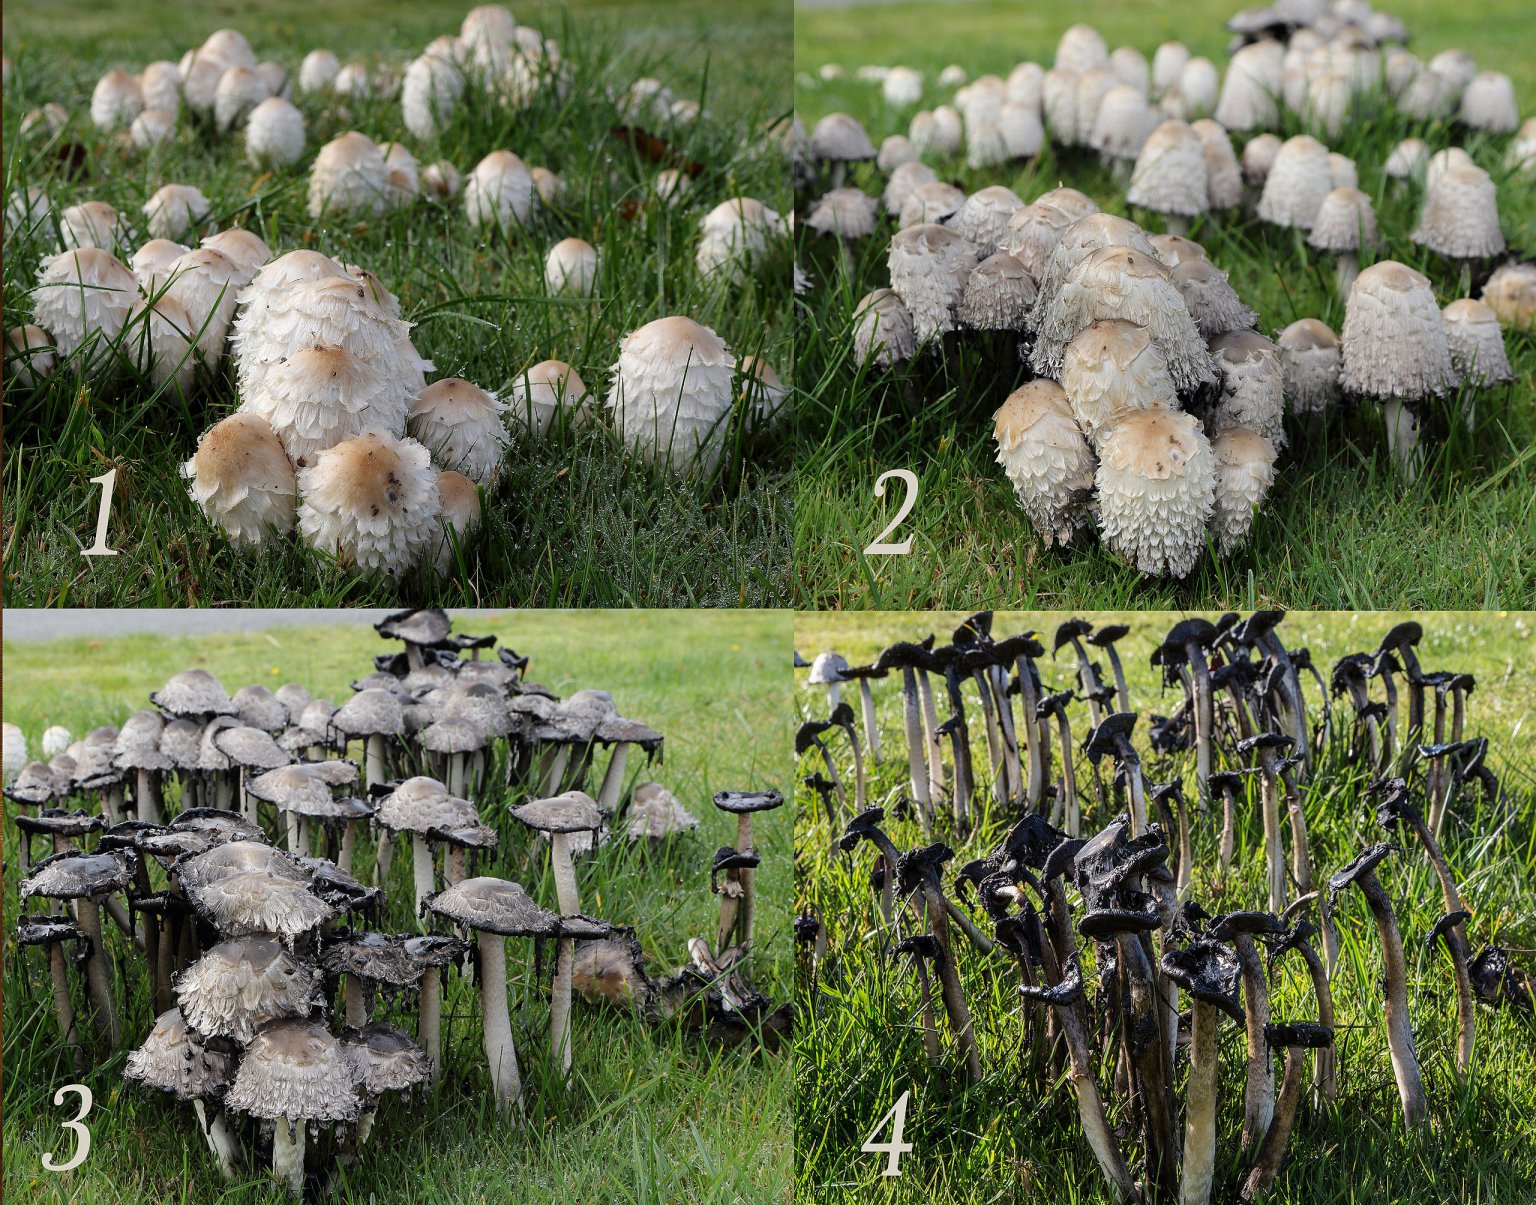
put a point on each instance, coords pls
(883, 327)
(672, 390)
(1245, 471)
(1309, 356)
(845, 213)
(840, 138)
(929, 265)
(1111, 366)
(1298, 181)
(241, 478)
(1460, 218)
(1047, 459)
(174, 1059)
(1393, 341)
(461, 425)
(494, 906)
(1170, 175)
(295, 1069)
(1211, 299)
(1511, 293)
(571, 812)
(1476, 343)
(240, 984)
(998, 295)
(81, 294)
(257, 902)
(931, 202)
(372, 503)
(1075, 243)
(384, 1059)
(1156, 485)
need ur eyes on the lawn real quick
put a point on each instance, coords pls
(1015, 1136)
(571, 520)
(653, 1115)
(1339, 529)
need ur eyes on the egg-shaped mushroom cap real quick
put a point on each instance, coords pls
(295, 1069)
(494, 906)
(243, 983)
(1460, 218)
(748, 801)
(1346, 221)
(1307, 334)
(240, 856)
(572, 812)
(452, 400)
(1393, 338)
(73, 874)
(250, 748)
(371, 712)
(383, 1059)
(242, 248)
(258, 707)
(839, 137)
(193, 692)
(827, 668)
(258, 901)
(847, 213)
(173, 1058)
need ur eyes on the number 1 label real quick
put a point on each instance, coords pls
(895, 1148)
(107, 480)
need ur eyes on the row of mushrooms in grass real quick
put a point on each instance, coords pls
(220, 834)
(1104, 930)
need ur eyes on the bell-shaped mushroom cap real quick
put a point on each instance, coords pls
(1211, 299)
(173, 1058)
(1123, 123)
(1252, 386)
(73, 874)
(1442, 161)
(1210, 972)
(240, 855)
(195, 693)
(383, 1059)
(1112, 366)
(274, 133)
(243, 983)
(494, 906)
(1309, 355)
(83, 293)
(1245, 471)
(1476, 343)
(175, 209)
(572, 812)
(984, 216)
(1298, 181)
(29, 354)
(258, 901)
(1047, 459)
(655, 813)
(1170, 175)
(1156, 485)
(672, 391)
(1223, 175)
(571, 267)
(295, 1069)
(905, 180)
(1408, 159)
(827, 668)
(318, 70)
(37, 783)
(882, 327)
(1081, 238)
(1345, 222)
(1033, 232)
(1511, 294)
(250, 748)
(1393, 339)
(1489, 103)
(935, 201)
(929, 266)
(420, 805)
(258, 707)
(998, 295)
(1251, 86)
(93, 224)
(461, 425)
(371, 502)
(546, 388)
(349, 175)
(1259, 157)
(846, 213)
(1460, 218)
(1081, 48)
(748, 801)
(840, 138)
(895, 150)
(303, 787)
(242, 479)
(452, 736)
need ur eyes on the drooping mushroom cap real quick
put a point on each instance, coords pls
(241, 984)
(929, 266)
(71, 826)
(35, 783)
(1307, 1035)
(1156, 485)
(421, 627)
(1047, 458)
(173, 1058)
(1363, 864)
(383, 1059)
(74, 874)
(494, 906)
(572, 812)
(239, 856)
(1393, 340)
(295, 1069)
(257, 902)
(383, 958)
(748, 801)
(1209, 972)
(419, 805)
(195, 693)
(258, 707)
(371, 712)
(250, 748)
(1460, 218)
(841, 138)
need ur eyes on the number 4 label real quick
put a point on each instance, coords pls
(895, 1148)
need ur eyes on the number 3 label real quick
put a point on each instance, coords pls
(879, 547)
(82, 1134)
(895, 1148)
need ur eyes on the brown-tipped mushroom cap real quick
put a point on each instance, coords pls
(370, 712)
(259, 901)
(383, 1059)
(295, 1069)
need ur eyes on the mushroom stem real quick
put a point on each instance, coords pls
(500, 1055)
(1266, 1167)
(348, 844)
(1405, 1063)
(1176, 223)
(288, 1153)
(365, 1126)
(744, 876)
(453, 864)
(357, 1007)
(557, 767)
(1346, 269)
(1148, 1054)
(871, 726)
(925, 1004)
(423, 872)
(1402, 438)
(1228, 830)
(949, 978)
(1456, 943)
(295, 845)
(1274, 852)
(373, 764)
(912, 714)
(220, 1141)
(63, 1003)
(613, 779)
(383, 856)
(1325, 1065)
(456, 774)
(560, 1008)
(1029, 706)
(1090, 1106)
(98, 976)
(429, 1023)
(931, 733)
(146, 797)
(1200, 1112)
(1259, 1094)
(1205, 720)
(112, 802)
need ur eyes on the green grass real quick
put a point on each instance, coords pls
(1339, 530)
(572, 520)
(1016, 1137)
(653, 1116)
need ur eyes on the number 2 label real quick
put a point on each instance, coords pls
(880, 547)
(82, 1134)
(895, 1148)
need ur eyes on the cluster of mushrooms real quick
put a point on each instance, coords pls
(323, 361)
(221, 835)
(1156, 409)
(1090, 897)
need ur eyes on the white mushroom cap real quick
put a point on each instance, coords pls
(547, 186)
(1457, 67)
(1393, 339)
(1400, 67)
(429, 93)
(984, 215)
(1046, 458)
(274, 134)
(1245, 471)
(1024, 83)
(240, 90)
(1129, 66)
(242, 248)
(1442, 161)
(1112, 366)
(1175, 249)
(207, 283)
(1476, 343)
(1223, 176)
(15, 751)
(153, 127)
(1212, 301)
(1345, 222)
(1309, 357)
(1408, 159)
(441, 179)
(841, 138)
(241, 984)
(353, 80)
(1521, 155)
(902, 86)
(174, 210)
(1460, 218)
(997, 295)
(276, 76)
(1081, 237)
(174, 1059)
(1252, 386)
(458, 501)
(461, 425)
(47, 121)
(846, 213)
(931, 202)
(1342, 171)
(1252, 83)
(762, 386)
(404, 173)
(499, 192)
(672, 184)
(672, 392)
(270, 288)
(1156, 487)
(1170, 175)
(295, 1071)
(160, 85)
(883, 327)
(243, 481)
(1197, 92)
(929, 266)
(232, 46)
(1092, 87)
(81, 294)
(161, 340)
(1167, 62)
(200, 76)
(348, 176)
(319, 396)
(1259, 157)
(488, 23)
(894, 151)
(545, 389)
(372, 503)
(90, 224)
(116, 100)
(29, 355)
(1023, 134)
(1081, 48)
(571, 267)
(1511, 293)
(1300, 177)
(1033, 231)
(318, 71)
(905, 179)
(735, 237)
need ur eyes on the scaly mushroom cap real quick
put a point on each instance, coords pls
(461, 425)
(1408, 159)
(1259, 158)
(549, 386)
(153, 127)
(318, 397)
(1393, 340)
(295, 1069)
(672, 392)
(258, 707)
(845, 213)
(383, 1059)
(984, 216)
(151, 262)
(654, 813)
(1460, 218)
(370, 712)
(161, 343)
(305, 787)
(998, 295)
(1033, 232)
(1309, 356)
(318, 70)
(174, 209)
(1298, 181)
(419, 805)
(1476, 343)
(1442, 161)
(1511, 293)
(1249, 90)
(929, 265)
(208, 284)
(274, 134)
(1223, 176)
(1252, 386)
(241, 984)
(882, 326)
(494, 906)
(372, 503)
(348, 176)
(499, 192)
(452, 736)
(239, 856)
(1046, 457)
(1211, 299)
(75, 874)
(932, 202)
(30, 356)
(1245, 471)
(1111, 366)
(270, 287)
(904, 181)
(173, 1058)
(1156, 486)
(80, 294)
(1170, 175)
(250, 748)
(1489, 103)
(895, 150)
(840, 138)
(735, 237)
(257, 902)
(1080, 239)
(192, 692)
(1123, 123)
(572, 812)
(243, 481)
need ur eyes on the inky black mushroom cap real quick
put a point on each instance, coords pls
(807, 927)
(1444, 925)
(34, 930)
(1305, 1034)
(1070, 631)
(974, 629)
(1172, 791)
(748, 801)
(1394, 803)
(1065, 992)
(1469, 759)
(59, 823)
(426, 626)
(73, 874)
(1109, 634)
(161, 903)
(1210, 972)
(919, 945)
(1265, 740)
(924, 864)
(1104, 923)
(864, 825)
(819, 783)
(1053, 704)
(436, 949)
(727, 858)
(1228, 780)
(1105, 739)
(1258, 625)
(1364, 863)
(1063, 859)
(581, 927)
(1020, 935)
(1495, 981)
(1350, 669)
(383, 958)
(1186, 632)
(1023, 645)
(1031, 841)
(36, 784)
(808, 735)
(1407, 633)
(904, 655)
(1230, 924)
